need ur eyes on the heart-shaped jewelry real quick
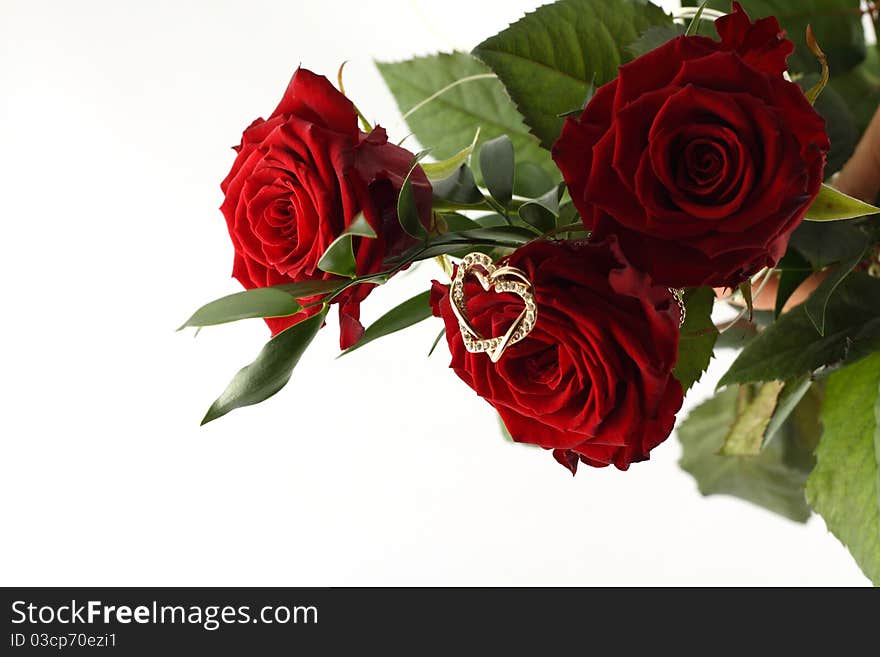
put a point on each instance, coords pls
(501, 279)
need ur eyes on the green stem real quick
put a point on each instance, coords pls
(568, 228)
(449, 206)
(487, 204)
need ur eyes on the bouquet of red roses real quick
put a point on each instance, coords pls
(597, 178)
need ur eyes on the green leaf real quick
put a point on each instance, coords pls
(755, 408)
(817, 303)
(410, 312)
(839, 123)
(836, 23)
(543, 211)
(270, 371)
(497, 165)
(436, 341)
(407, 210)
(455, 222)
(791, 346)
(568, 214)
(458, 189)
(866, 342)
(793, 271)
(493, 220)
(548, 59)
(537, 215)
(774, 479)
(845, 486)
(577, 111)
(276, 301)
(737, 336)
(826, 244)
(531, 181)
(694, 26)
(339, 257)
(450, 119)
(445, 168)
(860, 90)
(831, 205)
(698, 336)
(789, 282)
(789, 398)
(654, 37)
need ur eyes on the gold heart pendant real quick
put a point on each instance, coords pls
(500, 279)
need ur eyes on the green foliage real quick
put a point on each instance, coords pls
(787, 400)
(698, 336)
(694, 26)
(339, 257)
(445, 168)
(816, 305)
(531, 180)
(410, 312)
(276, 301)
(407, 210)
(543, 212)
(746, 435)
(773, 479)
(434, 344)
(654, 37)
(458, 189)
(845, 485)
(791, 346)
(840, 123)
(450, 119)
(549, 58)
(270, 371)
(497, 165)
(793, 271)
(826, 244)
(860, 89)
(832, 205)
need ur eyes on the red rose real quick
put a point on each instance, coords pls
(593, 380)
(299, 180)
(699, 156)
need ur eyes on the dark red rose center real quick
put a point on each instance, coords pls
(542, 367)
(705, 170)
(703, 163)
(281, 215)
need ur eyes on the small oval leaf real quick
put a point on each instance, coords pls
(458, 189)
(339, 257)
(443, 169)
(407, 210)
(531, 180)
(497, 166)
(538, 216)
(410, 312)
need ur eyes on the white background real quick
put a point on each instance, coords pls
(380, 468)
